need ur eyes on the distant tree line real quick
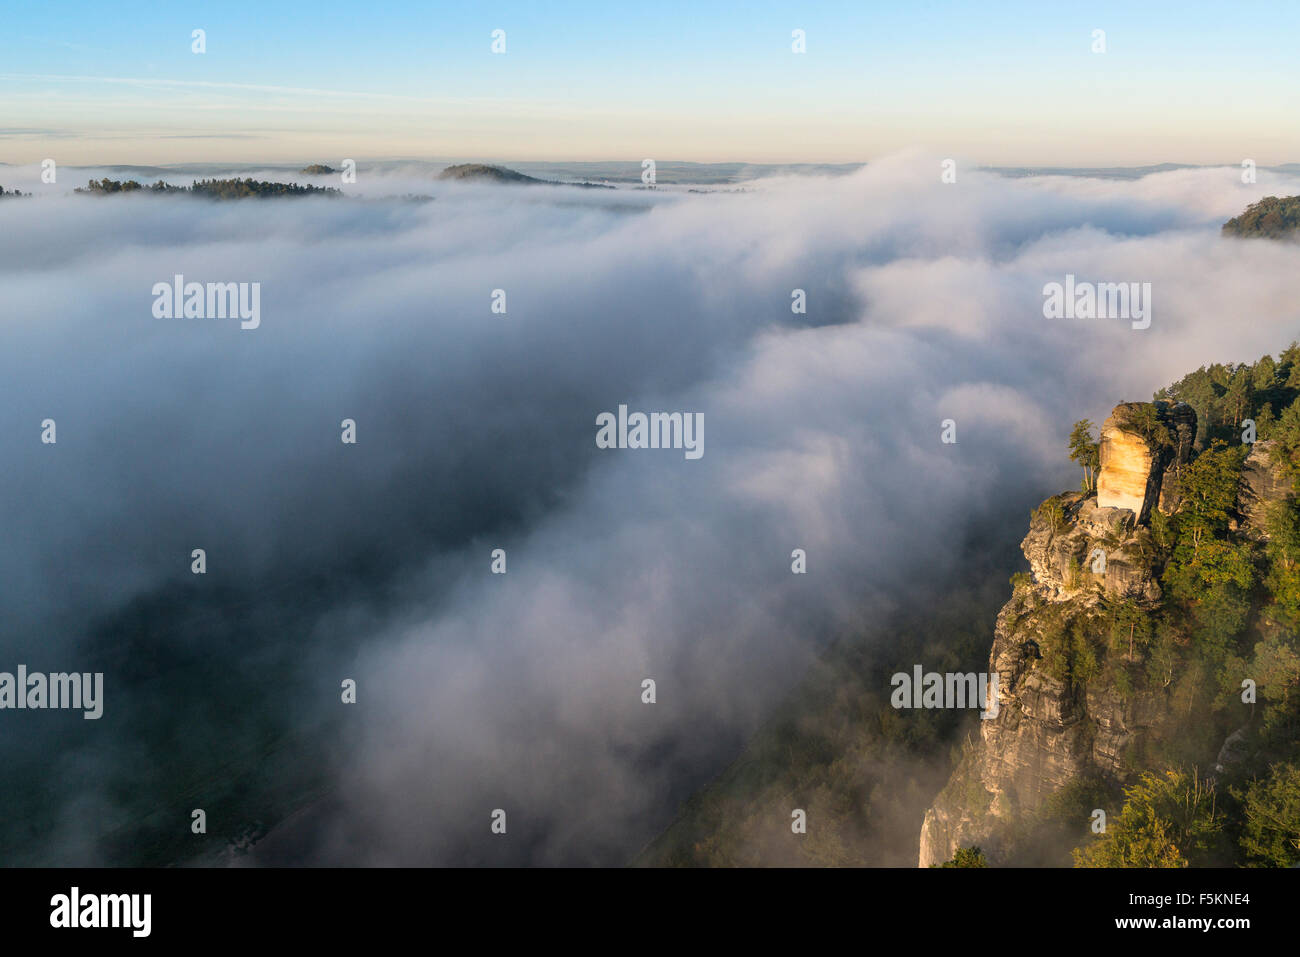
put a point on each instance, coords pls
(211, 188)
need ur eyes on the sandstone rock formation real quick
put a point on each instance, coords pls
(1050, 730)
(1143, 445)
(1262, 482)
(1062, 560)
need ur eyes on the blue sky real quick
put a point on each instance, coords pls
(1008, 83)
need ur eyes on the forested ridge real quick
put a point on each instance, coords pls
(1271, 218)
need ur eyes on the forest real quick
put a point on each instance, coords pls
(1270, 218)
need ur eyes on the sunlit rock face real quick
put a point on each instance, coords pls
(1126, 460)
(1143, 445)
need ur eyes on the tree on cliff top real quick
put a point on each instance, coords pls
(1085, 451)
(1144, 418)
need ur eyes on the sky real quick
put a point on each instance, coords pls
(1009, 84)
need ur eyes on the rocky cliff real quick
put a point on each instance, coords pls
(1061, 719)
(1262, 481)
(1143, 447)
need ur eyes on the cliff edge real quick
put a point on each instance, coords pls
(1086, 681)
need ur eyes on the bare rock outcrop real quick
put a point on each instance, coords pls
(1143, 445)
(1092, 546)
(1262, 482)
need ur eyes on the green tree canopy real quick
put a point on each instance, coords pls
(1168, 820)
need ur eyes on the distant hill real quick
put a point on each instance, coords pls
(317, 169)
(671, 172)
(1091, 172)
(481, 172)
(1271, 218)
(11, 192)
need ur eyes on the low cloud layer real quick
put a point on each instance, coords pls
(476, 431)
